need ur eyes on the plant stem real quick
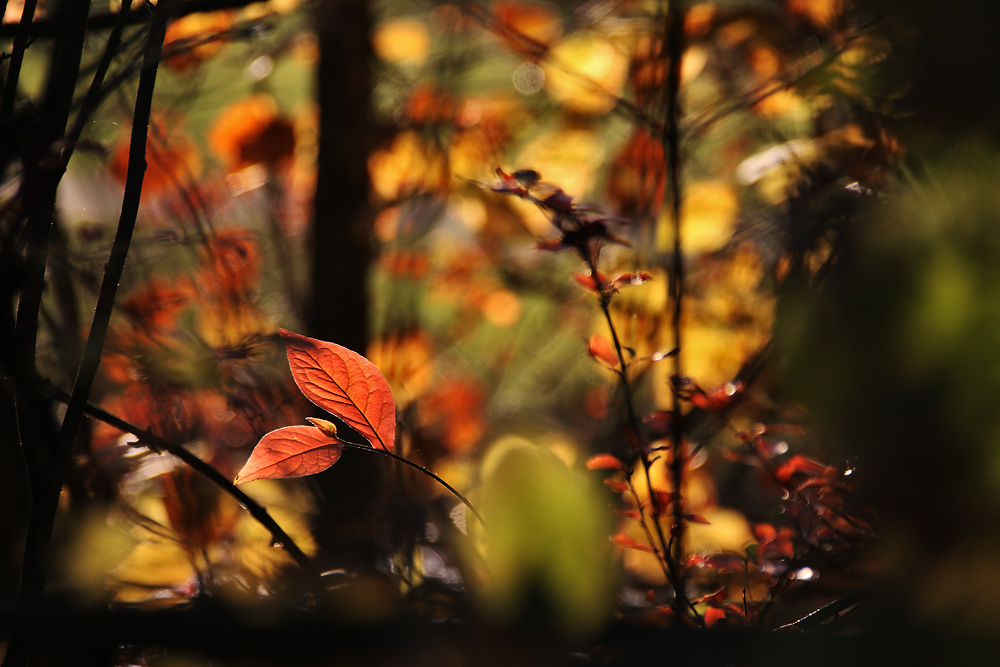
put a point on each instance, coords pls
(93, 97)
(255, 509)
(674, 35)
(17, 57)
(417, 466)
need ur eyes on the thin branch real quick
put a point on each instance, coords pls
(17, 57)
(94, 95)
(126, 225)
(674, 35)
(833, 610)
(255, 509)
(103, 20)
(416, 466)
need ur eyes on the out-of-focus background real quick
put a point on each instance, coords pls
(331, 168)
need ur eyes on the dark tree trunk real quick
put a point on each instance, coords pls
(338, 309)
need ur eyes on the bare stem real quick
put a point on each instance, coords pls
(255, 509)
(417, 466)
(674, 35)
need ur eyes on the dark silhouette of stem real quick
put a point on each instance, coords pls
(417, 466)
(35, 418)
(94, 95)
(663, 549)
(103, 20)
(255, 509)
(48, 458)
(17, 57)
(126, 226)
(674, 35)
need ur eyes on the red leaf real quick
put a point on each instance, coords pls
(600, 350)
(627, 542)
(345, 384)
(799, 466)
(713, 597)
(723, 562)
(293, 451)
(719, 398)
(697, 518)
(637, 278)
(604, 462)
(713, 615)
(588, 282)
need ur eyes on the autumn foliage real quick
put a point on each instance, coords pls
(608, 332)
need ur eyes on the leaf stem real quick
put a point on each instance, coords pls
(422, 469)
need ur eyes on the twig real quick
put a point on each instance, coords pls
(674, 35)
(93, 97)
(255, 509)
(35, 419)
(47, 477)
(17, 57)
(833, 609)
(126, 225)
(107, 19)
(416, 466)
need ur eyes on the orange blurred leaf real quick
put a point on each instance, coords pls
(713, 615)
(604, 462)
(713, 597)
(588, 282)
(719, 398)
(636, 278)
(345, 384)
(293, 451)
(799, 467)
(600, 350)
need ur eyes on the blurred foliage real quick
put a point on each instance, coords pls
(827, 225)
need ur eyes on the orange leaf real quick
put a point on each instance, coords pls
(292, 451)
(604, 462)
(713, 597)
(719, 398)
(592, 282)
(713, 615)
(600, 349)
(345, 384)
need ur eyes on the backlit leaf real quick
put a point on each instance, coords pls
(604, 462)
(713, 615)
(345, 384)
(600, 350)
(601, 282)
(293, 451)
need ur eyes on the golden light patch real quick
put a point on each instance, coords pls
(502, 308)
(585, 73)
(410, 165)
(708, 216)
(401, 41)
